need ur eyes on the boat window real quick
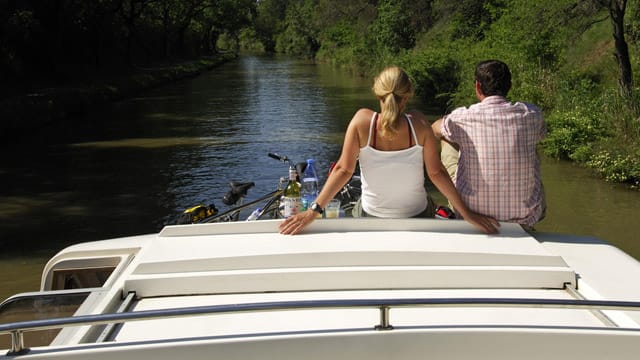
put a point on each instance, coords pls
(81, 273)
(38, 306)
(66, 279)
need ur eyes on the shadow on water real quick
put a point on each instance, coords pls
(130, 167)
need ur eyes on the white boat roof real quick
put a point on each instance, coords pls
(340, 259)
(449, 285)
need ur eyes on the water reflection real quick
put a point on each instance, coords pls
(149, 143)
(130, 167)
(581, 204)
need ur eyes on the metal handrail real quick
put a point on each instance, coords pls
(17, 329)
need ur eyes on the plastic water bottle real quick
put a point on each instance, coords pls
(254, 215)
(310, 187)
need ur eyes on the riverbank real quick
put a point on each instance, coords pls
(19, 115)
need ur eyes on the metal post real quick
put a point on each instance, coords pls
(17, 344)
(384, 319)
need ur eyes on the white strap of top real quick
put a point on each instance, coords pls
(407, 116)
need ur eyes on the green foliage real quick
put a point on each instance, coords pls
(435, 73)
(46, 42)
(269, 22)
(344, 44)
(572, 134)
(577, 124)
(529, 32)
(299, 37)
(248, 41)
(596, 128)
(633, 22)
(347, 41)
(473, 17)
(535, 85)
(392, 28)
(16, 33)
(617, 167)
(227, 43)
(340, 35)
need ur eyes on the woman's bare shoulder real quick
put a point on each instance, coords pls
(364, 113)
(362, 117)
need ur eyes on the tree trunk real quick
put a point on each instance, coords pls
(617, 10)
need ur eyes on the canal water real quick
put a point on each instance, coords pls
(131, 167)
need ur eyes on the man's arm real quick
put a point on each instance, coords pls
(437, 129)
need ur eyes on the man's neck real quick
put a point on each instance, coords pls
(479, 93)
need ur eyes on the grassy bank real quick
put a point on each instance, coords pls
(590, 122)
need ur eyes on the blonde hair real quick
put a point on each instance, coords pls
(391, 86)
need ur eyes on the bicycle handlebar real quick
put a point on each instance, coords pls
(283, 158)
(278, 157)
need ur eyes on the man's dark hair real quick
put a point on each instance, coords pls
(494, 77)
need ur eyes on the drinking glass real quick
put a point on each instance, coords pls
(332, 210)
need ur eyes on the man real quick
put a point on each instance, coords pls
(497, 169)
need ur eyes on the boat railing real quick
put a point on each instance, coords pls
(17, 329)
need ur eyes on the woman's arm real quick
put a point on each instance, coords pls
(342, 172)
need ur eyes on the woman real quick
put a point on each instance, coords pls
(393, 149)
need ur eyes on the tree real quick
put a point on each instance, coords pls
(473, 17)
(176, 16)
(392, 28)
(616, 11)
(131, 12)
(300, 35)
(230, 17)
(270, 21)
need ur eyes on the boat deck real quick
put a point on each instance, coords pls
(349, 288)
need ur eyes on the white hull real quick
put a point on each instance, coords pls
(348, 288)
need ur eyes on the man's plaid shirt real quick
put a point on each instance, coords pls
(499, 169)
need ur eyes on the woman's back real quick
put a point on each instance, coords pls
(392, 170)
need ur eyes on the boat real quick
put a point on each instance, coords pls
(348, 288)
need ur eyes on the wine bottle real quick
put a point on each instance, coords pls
(291, 196)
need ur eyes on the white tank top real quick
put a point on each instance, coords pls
(393, 181)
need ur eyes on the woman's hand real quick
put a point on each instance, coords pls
(294, 224)
(487, 224)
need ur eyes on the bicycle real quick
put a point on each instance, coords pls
(272, 208)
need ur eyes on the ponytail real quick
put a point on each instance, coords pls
(389, 114)
(392, 86)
